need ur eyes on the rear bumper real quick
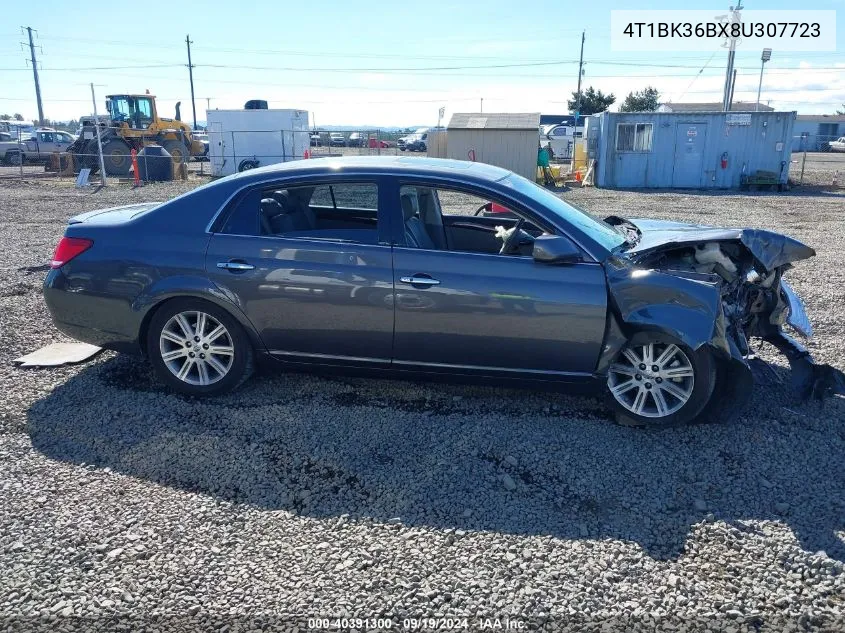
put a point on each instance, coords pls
(91, 317)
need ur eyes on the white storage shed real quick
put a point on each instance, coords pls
(245, 139)
(504, 139)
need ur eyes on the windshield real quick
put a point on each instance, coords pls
(599, 231)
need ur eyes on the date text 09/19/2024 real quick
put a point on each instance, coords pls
(418, 624)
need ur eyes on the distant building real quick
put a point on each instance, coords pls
(737, 106)
(813, 132)
(508, 140)
(560, 119)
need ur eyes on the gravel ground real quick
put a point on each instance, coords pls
(127, 508)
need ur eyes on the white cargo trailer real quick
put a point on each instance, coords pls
(244, 139)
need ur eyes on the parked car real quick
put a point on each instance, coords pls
(202, 137)
(418, 141)
(315, 140)
(35, 149)
(336, 139)
(838, 145)
(375, 143)
(360, 263)
(356, 139)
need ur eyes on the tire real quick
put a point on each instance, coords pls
(116, 157)
(247, 164)
(649, 397)
(14, 158)
(169, 347)
(177, 150)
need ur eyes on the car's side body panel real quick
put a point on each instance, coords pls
(493, 311)
(311, 299)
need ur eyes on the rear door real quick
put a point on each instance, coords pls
(322, 294)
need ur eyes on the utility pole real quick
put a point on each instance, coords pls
(726, 95)
(482, 105)
(191, 75)
(35, 76)
(99, 140)
(580, 72)
(731, 96)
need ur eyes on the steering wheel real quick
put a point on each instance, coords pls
(512, 240)
(484, 207)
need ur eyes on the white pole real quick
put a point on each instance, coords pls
(99, 141)
(759, 86)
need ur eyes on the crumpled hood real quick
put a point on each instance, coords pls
(769, 248)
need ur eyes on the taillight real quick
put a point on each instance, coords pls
(68, 248)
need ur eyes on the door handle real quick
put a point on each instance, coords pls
(235, 266)
(420, 280)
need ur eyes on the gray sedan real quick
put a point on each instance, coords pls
(379, 265)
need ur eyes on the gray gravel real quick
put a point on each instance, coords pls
(126, 508)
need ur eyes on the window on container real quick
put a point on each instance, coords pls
(633, 137)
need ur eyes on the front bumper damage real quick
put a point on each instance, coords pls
(720, 293)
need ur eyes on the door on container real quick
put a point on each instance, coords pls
(689, 155)
(216, 147)
(633, 150)
(310, 264)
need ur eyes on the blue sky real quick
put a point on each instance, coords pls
(379, 63)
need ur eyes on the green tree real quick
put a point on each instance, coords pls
(644, 101)
(841, 111)
(4, 117)
(18, 116)
(592, 101)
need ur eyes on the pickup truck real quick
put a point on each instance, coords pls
(35, 149)
(838, 145)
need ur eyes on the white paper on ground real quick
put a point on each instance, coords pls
(57, 354)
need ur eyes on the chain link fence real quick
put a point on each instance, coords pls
(224, 152)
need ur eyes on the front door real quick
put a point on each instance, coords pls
(482, 312)
(306, 265)
(689, 155)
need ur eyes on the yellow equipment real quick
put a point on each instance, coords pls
(133, 122)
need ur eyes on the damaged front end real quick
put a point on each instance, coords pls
(744, 270)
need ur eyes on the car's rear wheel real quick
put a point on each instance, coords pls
(660, 382)
(198, 349)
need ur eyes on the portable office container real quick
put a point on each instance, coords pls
(691, 150)
(245, 139)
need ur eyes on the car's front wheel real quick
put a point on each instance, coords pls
(198, 349)
(660, 382)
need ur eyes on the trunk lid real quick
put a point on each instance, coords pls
(113, 215)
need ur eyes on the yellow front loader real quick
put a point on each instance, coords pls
(133, 122)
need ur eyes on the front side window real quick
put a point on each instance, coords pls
(454, 220)
(337, 212)
(45, 137)
(634, 137)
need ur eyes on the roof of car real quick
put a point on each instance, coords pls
(385, 164)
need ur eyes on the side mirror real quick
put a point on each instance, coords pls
(555, 249)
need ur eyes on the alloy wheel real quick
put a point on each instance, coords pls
(196, 348)
(653, 380)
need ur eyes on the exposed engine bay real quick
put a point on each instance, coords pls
(752, 299)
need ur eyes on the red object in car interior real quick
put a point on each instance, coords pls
(68, 248)
(497, 208)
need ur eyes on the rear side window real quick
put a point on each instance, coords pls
(336, 212)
